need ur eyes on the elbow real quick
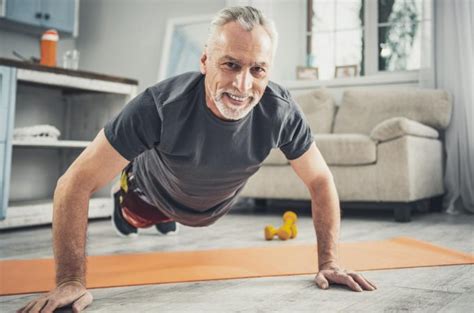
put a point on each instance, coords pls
(73, 183)
(324, 181)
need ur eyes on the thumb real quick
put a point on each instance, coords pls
(321, 281)
(81, 303)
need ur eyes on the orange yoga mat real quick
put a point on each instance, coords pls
(278, 259)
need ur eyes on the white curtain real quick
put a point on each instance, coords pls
(454, 53)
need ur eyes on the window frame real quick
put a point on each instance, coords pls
(370, 31)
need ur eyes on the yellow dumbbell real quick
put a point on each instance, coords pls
(288, 230)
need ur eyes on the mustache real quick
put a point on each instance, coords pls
(233, 92)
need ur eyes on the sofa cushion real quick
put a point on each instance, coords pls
(346, 149)
(319, 108)
(400, 126)
(276, 157)
(362, 109)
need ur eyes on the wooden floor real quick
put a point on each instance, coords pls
(435, 289)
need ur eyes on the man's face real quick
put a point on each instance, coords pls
(237, 67)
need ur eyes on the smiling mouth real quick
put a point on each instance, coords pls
(236, 100)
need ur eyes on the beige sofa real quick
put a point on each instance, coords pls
(383, 147)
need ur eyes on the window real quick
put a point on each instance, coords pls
(402, 25)
(336, 35)
(374, 35)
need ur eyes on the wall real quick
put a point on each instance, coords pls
(125, 37)
(290, 20)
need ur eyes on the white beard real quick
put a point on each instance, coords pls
(233, 112)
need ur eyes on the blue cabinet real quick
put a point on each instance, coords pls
(24, 11)
(59, 14)
(3, 195)
(7, 108)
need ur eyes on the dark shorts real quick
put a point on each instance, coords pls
(133, 204)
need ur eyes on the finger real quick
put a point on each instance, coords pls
(343, 279)
(361, 281)
(321, 281)
(82, 303)
(50, 306)
(352, 283)
(60, 300)
(23, 308)
(371, 283)
(38, 306)
(368, 281)
(28, 306)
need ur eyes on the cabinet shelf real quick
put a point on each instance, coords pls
(40, 212)
(77, 103)
(42, 143)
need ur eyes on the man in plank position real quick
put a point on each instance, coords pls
(186, 147)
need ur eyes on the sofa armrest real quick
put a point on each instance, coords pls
(400, 126)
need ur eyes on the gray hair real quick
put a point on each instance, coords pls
(247, 17)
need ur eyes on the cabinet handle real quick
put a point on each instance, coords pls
(38, 15)
(46, 16)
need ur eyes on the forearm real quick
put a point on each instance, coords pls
(326, 219)
(70, 211)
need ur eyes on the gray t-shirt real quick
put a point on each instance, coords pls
(191, 164)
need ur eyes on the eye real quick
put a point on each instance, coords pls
(258, 71)
(231, 65)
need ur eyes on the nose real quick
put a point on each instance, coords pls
(243, 81)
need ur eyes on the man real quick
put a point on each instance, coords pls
(188, 145)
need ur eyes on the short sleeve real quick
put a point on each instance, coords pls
(136, 128)
(296, 137)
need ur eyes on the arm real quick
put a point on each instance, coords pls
(98, 164)
(315, 174)
(93, 169)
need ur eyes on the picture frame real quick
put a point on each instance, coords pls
(307, 73)
(183, 44)
(346, 71)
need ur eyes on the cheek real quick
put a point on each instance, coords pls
(259, 88)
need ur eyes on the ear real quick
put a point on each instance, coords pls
(202, 63)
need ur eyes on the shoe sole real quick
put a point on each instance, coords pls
(131, 235)
(170, 233)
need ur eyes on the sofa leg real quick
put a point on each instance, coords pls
(402, 214)
(261, 205)
(423, 206)
(436, 204)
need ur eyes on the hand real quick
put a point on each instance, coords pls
(332, 273)
(72, 292)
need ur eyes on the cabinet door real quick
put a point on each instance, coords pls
(7, 113)
(3, 196)
(5, 98)
(59, 14)
(24, 11)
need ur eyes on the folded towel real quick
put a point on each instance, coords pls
(41, 132)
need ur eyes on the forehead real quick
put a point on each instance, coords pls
(233, 41)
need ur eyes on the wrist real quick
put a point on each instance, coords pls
(328, 265)
(76, 280)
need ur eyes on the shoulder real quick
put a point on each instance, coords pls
(277, 102)
(277, 93)
(176, 88)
